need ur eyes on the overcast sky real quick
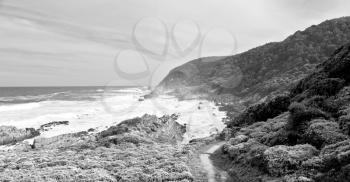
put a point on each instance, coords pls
(133, 42)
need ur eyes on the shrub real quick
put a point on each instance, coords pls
(276, 138)
(323, 132)
(300, 115)
(344, 123)
(262, 111)
(329, 105)
(317, 83)
(307, 82)
(298, 121)
(326, 87)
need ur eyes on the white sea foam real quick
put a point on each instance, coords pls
(19, 107)
(201, 117)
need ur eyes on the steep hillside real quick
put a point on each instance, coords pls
(262, 70)
(300, 136)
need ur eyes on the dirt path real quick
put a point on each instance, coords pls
(213, 174)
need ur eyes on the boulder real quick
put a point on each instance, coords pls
(281, 160)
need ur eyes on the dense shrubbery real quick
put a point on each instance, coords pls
(307, 83)
(327, 104)
(262, 112)
(113, 155)
(317, 85)
(300, 115)
(318, 115)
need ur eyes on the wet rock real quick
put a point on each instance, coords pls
(281, 160)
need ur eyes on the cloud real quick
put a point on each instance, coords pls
(75, 42)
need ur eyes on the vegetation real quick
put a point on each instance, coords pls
(316, 125)
(145, 152)
(271, 68)
(261, 112)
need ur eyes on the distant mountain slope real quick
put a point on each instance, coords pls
(262, 70)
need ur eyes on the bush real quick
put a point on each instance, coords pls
(323, 132)
(262, 111)
(317, 83)
(276, 138)
(326, 87)
(298, 121)
(307, 83)
(300, 115)
(322, 102)
(344, 123)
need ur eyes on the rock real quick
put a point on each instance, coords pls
(48, 126)
(322, 132)
(91, 130)
(11, 134)
(281, 160)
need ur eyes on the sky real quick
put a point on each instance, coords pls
(119, 42)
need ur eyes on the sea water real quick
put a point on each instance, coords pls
(100, 107)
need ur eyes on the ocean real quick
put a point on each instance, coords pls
(99, 108)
